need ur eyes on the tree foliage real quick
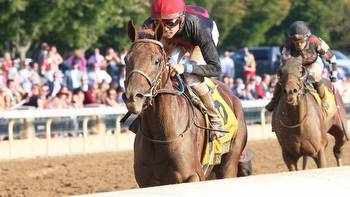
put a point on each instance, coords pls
(102, 23)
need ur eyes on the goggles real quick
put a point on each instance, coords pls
(169, 23)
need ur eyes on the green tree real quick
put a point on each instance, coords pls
(24, 21)
(261, 16)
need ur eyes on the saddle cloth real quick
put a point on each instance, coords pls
(329, 98)
(213, 150)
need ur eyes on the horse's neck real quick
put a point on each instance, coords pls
(297, 112)
(162, 117)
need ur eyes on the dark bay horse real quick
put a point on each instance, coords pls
(300, 127)
(168, 145)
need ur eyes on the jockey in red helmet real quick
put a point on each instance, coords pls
(192, 30)
(301, 43)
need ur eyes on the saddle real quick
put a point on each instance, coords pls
(329, 98)
(215, 147)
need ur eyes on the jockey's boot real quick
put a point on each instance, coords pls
(319, 86)
(274, 100)
(203, 93)
(213, 114)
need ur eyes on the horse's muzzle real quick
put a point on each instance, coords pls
(134, 102)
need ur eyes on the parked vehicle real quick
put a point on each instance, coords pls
(267, 60)
(343, 63)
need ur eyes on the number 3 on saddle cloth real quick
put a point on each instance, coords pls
(215, 149)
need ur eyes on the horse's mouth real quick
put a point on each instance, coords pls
(292, 101)
(135, 105)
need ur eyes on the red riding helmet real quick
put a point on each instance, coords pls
(167, 9)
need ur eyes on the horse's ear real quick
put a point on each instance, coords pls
(131, 31)
(159, 32)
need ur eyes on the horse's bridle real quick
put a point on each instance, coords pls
(152, 92)
(301, 92)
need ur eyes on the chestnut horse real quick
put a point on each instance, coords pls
(300, 127)
(168, 145)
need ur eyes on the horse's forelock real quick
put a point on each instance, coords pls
(146, 34)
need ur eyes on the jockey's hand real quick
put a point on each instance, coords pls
(333, 76)
(333, 79)
(179, 68)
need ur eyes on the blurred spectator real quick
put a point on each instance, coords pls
(6, 64)
(97, 75)
(260, 94)
(78, 98)
(78, 58)
(238, 88)
(16, 91)
(34, 96)
(43, 55)
(111, 99)
(249, 92)
(102, 93)
(12, 71)
(54, 56)
(96, 58)
(35, 76)
(266, 79)
(250, 65)
(91, 94)
(6, 98)
(119, 98)
(228, 66)
(62, 99)
(84, 83)
(25, 75)
(2, 78)
(113, 63)
(56, 85)
(73, 78)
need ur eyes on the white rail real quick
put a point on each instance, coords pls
(29, 147)
(318, 182)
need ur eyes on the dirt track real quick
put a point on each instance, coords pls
(81, 174)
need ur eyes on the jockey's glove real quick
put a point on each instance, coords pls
(333, 76)
(179, 68)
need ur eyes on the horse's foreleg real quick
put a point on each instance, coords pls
(290, 161)
(340, 140)
(321, 159)
(193, 178)
(304, 162)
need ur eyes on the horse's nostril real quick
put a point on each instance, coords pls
(139, 95)
(295, 90)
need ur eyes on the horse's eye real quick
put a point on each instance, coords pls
(157, 62)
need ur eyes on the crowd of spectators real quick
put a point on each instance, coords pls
(50, 81)
(251, 86)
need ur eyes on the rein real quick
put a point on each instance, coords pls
(154, 91)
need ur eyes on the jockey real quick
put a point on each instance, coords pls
(301, 43)
(191, 29)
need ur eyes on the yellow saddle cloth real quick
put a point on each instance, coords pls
(330, 99)
(213, 150)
